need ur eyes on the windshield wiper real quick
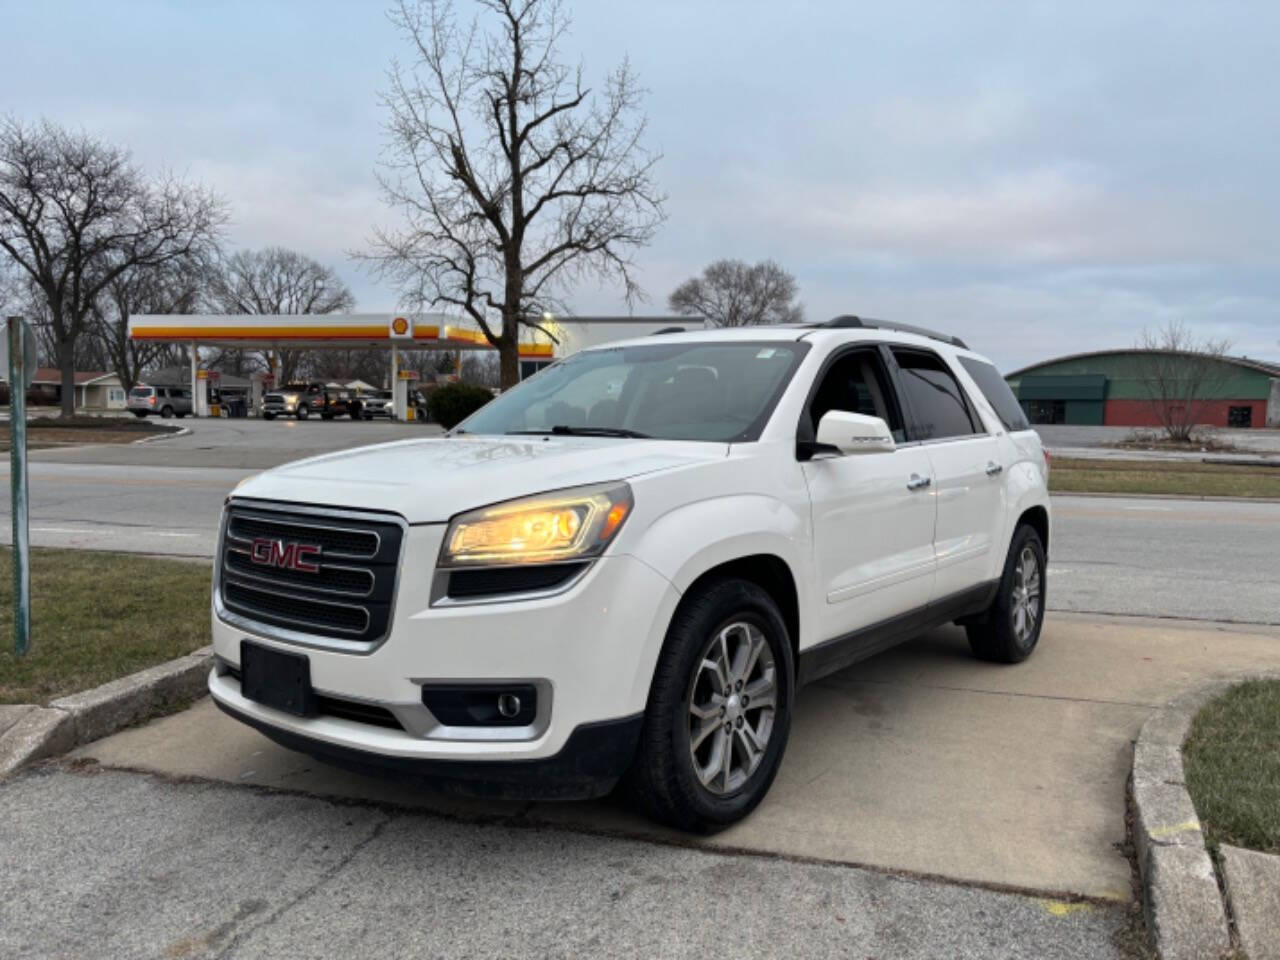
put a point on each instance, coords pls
(563, 429)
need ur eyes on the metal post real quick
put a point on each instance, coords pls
(18, 486)
(395, 376)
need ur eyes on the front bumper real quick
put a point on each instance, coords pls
(590, 651)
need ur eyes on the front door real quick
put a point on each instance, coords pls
(873, 514)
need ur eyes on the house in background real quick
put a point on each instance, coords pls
(94, 389)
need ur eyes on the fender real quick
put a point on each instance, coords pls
(686, 542)
(1026, 489)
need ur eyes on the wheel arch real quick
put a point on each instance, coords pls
(771, 574)
(1036, 517)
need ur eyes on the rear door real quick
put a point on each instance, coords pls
(873, 518)
(966, 466)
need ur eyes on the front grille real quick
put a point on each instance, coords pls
(349, 596)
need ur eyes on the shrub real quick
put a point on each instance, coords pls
(451, 404)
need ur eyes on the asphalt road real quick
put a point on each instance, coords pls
(1197, 560)
(138, 866)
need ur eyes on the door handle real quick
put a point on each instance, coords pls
(994, 469)
(918, 482)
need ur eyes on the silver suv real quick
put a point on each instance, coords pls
(161, 401)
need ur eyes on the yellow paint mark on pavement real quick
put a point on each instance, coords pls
(1061, 908)
(1185, 827)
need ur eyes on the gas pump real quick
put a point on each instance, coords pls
(401, 409)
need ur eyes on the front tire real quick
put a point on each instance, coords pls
(303, 412)
(719, 709)
(268, 416)
(1010, 629)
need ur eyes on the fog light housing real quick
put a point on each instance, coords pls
(482, 705)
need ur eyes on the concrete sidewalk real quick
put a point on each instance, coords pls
(922, 760)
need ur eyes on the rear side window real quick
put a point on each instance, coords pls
(997, 392)
(140, 392)
(936, 405)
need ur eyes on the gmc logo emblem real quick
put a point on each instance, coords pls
(288, 556)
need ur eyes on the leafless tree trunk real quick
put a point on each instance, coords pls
(175, 287)
(513, 177)
(278, 281)
(1182, 376)
(76, 213)
(731, 293)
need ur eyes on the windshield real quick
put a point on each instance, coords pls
(673, 391)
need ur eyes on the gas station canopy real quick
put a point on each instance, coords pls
(345, 330)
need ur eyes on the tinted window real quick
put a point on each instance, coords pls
(997, 392)
(856, 383)
(141, 392)
(722, 391)
(937, 408)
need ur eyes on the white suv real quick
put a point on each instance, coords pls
(624, 568)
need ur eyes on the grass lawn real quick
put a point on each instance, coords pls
(1163, 476)
(46, 432)
(96, 617)
(1232, 760)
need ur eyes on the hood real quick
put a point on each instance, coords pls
(431, 480)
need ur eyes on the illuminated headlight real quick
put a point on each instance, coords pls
(561, 525)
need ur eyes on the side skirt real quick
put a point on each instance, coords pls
(836, 654)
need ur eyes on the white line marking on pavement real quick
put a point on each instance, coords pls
(1162, 509)
(104, 530)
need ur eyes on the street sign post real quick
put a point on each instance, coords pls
(20, 346)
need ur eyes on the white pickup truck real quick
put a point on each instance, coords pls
(626, 567)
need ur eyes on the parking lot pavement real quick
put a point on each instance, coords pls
(923, 759)
(128, 865)
(242, 444)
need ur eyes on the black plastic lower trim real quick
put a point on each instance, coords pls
(591, 762)
(836, 654)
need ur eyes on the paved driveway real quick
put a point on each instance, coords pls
(921, 760)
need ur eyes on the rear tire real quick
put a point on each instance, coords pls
(1010, 629)
(166, 411)
(731, 633)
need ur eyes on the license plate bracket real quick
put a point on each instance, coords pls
(275, 678)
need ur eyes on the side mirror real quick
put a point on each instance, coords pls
(854, 433)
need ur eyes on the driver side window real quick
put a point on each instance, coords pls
(857, 383)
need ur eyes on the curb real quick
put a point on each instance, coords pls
(70, 721)
(1209, 498)
(167, 435)
(1181, 897)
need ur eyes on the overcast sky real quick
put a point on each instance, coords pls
(1040, 178)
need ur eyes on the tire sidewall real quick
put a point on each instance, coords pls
(732, 600)
(1023, 537)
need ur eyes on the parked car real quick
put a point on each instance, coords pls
(376, 404)
(624, 569)
(303, 399)
(159, 401)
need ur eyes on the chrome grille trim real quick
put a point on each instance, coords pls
(377, 605)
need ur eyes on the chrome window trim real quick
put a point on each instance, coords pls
(295, 637)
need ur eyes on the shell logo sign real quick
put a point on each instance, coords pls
(401, 328)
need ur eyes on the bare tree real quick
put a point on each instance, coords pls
(513, 177)
(278, 281)
(732, 293)
(75, 213)
(1182, 376)
(174, 287)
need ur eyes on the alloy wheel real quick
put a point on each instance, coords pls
(1026, 596)
(732, 701)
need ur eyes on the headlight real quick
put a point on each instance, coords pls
(561, 525)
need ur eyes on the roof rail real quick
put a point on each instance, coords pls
(658, 333)
(848, 320)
